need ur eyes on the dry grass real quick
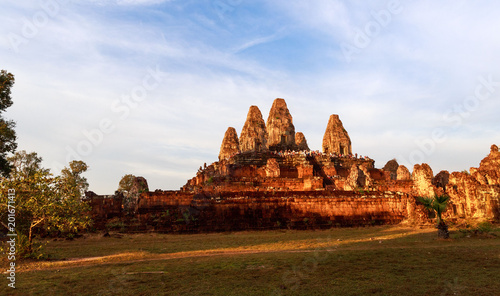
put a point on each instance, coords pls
(356, 261)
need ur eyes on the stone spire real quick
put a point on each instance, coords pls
(230, 144)
(253, 135)
(280, 129)
(300, 141)
(336, 139)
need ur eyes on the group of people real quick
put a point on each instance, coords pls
(309, 153)
(313, 153)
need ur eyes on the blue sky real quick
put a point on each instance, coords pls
(149, 87)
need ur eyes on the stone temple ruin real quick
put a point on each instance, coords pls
(272, 156)
(269, 178)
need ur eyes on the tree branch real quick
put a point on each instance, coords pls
(37, 222)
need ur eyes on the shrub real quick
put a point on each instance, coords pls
(484, 227)
(115, 224)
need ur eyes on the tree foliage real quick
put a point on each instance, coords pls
(126, 183)
(131, 187)
(438, 204)
(6, 83)
(7, 133)
(43, 201)
(71, 183)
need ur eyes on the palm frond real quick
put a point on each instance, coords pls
(442, 199)
(438, 204)
(426, 202)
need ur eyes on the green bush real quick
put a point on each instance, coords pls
(484, 227)
(115, 224)
(24, 249)
(481, 228)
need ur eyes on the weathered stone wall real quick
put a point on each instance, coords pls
(470, 199)
(105, 207)
(255, 166)
(268, 178)
(265, 190)
(152, 201)
(253, 210)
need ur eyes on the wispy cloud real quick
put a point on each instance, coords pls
(395, 91)
(129, 2)
(257, 41)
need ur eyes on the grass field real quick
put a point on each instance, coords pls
(386, 260)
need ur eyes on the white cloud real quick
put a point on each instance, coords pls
(129, 2)
(329, 17)
(395, 92)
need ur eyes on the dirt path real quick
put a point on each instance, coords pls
(121, 258)
(137, 257)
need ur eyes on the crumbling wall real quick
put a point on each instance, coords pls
(267, 189)
(256, 210)
(104, 207)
